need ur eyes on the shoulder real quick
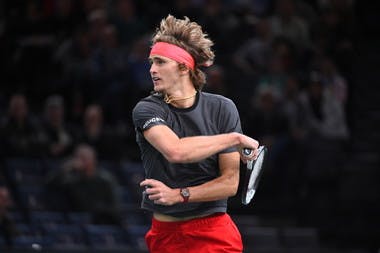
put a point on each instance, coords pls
(217, 100)
(151, 102)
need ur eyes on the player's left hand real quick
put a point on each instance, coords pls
(160, 193)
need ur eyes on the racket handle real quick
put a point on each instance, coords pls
(247, 151)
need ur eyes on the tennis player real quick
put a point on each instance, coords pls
(190, 145)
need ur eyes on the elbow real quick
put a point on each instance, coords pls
(175, 156)
(233, 190)
(233, 187)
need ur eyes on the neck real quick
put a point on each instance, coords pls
(184, 100)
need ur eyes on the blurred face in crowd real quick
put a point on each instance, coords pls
(18, 108)
(5, 200)
(109, 37)
(93, 117)
(85, 160)
(55, 114)
(267, 101)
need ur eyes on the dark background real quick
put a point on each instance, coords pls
(321, 183)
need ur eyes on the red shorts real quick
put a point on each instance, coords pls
(211, 234)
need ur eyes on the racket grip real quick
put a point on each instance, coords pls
(247, 151)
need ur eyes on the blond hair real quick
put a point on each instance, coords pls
(189, 36)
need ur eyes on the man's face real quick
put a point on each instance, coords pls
(85, 160)
(165, 73)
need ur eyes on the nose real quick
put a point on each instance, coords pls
(152, 68)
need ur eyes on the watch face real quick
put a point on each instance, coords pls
(185, 192)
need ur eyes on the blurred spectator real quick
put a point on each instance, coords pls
(139, 78)
(324, 148)
(106, 141)
(7, 229)
(79, 69)
(216, 80)
(112, 59)
(220, 24)
(128, 24)
(254, 55)
(139, 65)
(19, 131)
(267, 121)
(325, 115)
(280, 64)
(64, 16)
(286, 23)
(112, 54)
(334, 33)
(58, 138)
(86, 187)
(334, 81)
(97, 21)
(293, 109)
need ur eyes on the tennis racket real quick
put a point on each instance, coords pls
(253, 173)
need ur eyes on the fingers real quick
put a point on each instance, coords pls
(157, 191)
(151, 186)
(149, 182)
(250, 144)
(156, 196)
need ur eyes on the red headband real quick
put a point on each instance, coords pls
(173, 52)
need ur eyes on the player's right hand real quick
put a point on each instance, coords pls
(247, 142)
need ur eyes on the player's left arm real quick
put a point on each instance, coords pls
(222, 187)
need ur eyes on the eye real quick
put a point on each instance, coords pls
(156, 61)
(160, 61)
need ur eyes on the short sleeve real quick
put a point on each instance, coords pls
(147, 114)
(229, 121)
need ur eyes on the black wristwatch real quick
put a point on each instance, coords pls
(185, 194)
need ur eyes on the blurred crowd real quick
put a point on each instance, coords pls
(72, 70)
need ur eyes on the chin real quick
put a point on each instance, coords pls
(157, 89)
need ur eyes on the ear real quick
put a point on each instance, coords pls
(183, 68)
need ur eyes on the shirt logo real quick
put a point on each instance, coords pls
(151, 121)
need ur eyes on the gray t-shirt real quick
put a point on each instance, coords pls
(210, 115)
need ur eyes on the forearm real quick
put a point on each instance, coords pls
(219, 188)
(222, 187)
(189, 149)
(193, 149)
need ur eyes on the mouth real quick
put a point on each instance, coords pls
(155, 79)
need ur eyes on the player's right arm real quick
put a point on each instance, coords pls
(195, 148)
(150, 119)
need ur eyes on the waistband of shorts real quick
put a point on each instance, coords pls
(213, 219)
